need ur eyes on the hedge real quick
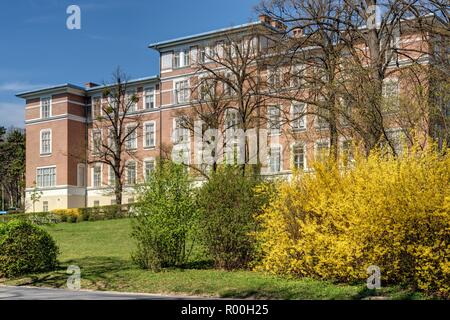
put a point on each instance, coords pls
(73, 215)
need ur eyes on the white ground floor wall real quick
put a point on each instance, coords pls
(66, 197)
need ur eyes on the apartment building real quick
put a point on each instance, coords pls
(60, 126)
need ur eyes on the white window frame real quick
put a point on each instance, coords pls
(351, 150)
(175, 136)
(98, 165)
(111, 175)
(93, 108)
(50, 111)
(386, 83)
(135, 145)
(45, 206)
(127, 171)
(176, 94)
(37, 174)
(94, 149)
(144, 140)
(269, 155)
(134, 106)
(144, 169)
(293, 146)
(316, 147)
(153, 92)
(300, 120)
(41, 145)
(81, 166)
(320, 123)
(273, 131)
(183, 56)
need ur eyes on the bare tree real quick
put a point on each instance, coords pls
(226, 95)
(115, 129)
(362, 48)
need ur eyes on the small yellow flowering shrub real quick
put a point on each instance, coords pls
(336, 222)
(69, 215)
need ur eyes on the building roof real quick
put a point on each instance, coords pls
(65, 86)
(205, 35)
(69, 86)
(133, 81)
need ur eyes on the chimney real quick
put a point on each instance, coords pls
(297, 32)
(90, 85)
(278, 25)
(265, 18)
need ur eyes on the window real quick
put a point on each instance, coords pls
(227, 89)
(149, 98)
(149, 167)
(46, 142)
(44, 206)
(297, 75)
(397, 140)
(97, 176)
(232, 153)
(46, 177)
(207, 89)
(391, 95)
(346, 112)
(181, 58)
(181, 91)
(96, 106)
(322, 150)
(131, 172)
(274, 123)
(275, 159)
(46, 108)
(112, 139)
(180, 134)
(347, 151)
(96, 203)
(231, 119)
(298, 155)
(321, 118)
(111, 176)
(131, 104)
(149, 134)
(298, 118)
(96, 141)
(112, 101)
(81, 174)
(275, 78)
(394, 41)
(202, 55)
(131, 140)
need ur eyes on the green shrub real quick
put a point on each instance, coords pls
(228, 203)
(25, 248)
(164, 218)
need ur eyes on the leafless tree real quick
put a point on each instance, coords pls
(115, 129)
(226, 95)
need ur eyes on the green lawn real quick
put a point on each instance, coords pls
(102, 251)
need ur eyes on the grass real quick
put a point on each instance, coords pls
(102, 250)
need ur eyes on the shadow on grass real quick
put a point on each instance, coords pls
(97, 270)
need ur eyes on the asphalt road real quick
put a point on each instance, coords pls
(30, 293)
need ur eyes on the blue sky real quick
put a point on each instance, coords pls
(37, 50)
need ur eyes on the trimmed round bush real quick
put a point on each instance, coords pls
(26, 248)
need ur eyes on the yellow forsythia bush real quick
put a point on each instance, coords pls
(336, 222)
(70, 215)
